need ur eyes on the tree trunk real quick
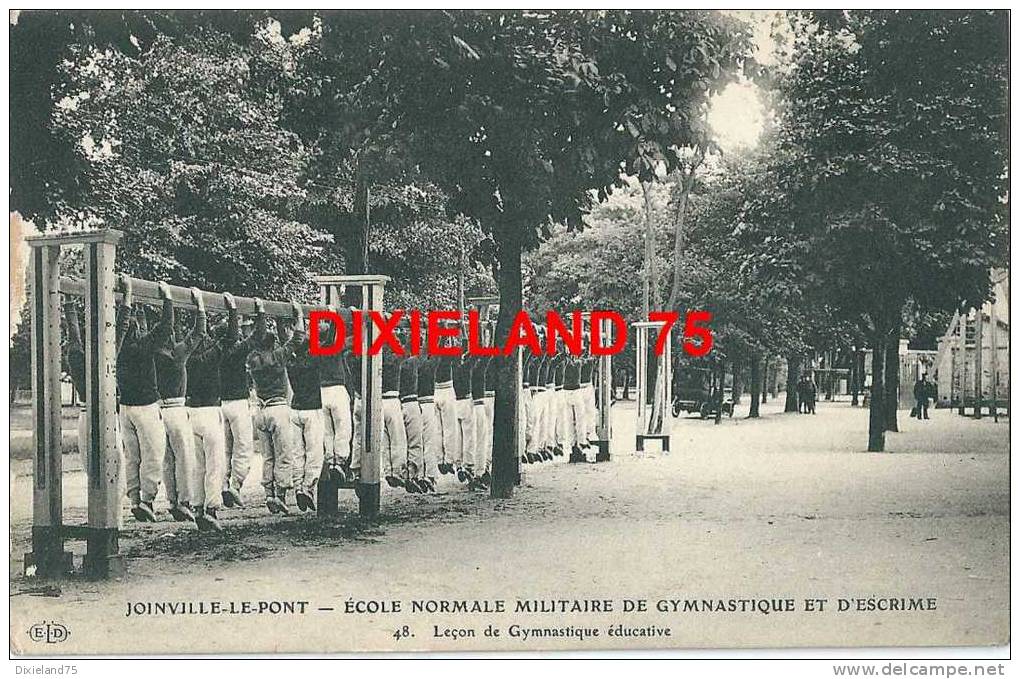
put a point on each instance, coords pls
(892, 380)
(764, 380)
(505, 460)
(830, 383)
(856, 377)
(738, 381)
(876, 410)
(756, 386)
(792, 374)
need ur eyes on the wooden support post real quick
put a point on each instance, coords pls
(604, 425)
(102, 558)
(962, 338)
(327, 492)
(371, 403)
(979, 320)
(993, 329)
(47, 557)
(521, 430)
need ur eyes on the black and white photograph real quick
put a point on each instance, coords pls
(510, 332)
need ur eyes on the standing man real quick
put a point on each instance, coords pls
(140, 422)
(236, 410)
(922, 389)
(204, 392)
(811, 393)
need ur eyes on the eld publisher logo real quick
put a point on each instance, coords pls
(48, 632)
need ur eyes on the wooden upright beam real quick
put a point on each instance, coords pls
(963, 360)
(979, 321)
(371, 402)
(48, 557)
(604, 426)
(102, 558)
(993, 406)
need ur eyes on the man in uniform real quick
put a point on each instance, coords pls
(394, 452)
(413, 425)
(140, 423)
(336, 404)
(432, 435)
(304, 374)
(235, 392)
(204, 400)
(267, 364)
(171, 359)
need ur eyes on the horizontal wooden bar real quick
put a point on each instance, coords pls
(147, 292)
(369, 279)
(75, 237)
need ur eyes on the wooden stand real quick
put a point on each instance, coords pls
(102, 558)
(367, 487)
(646, 375)
(604, 393)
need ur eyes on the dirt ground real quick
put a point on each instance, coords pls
(787, 506)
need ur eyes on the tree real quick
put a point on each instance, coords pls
(894, 129)
(182, 149)
(524, 118)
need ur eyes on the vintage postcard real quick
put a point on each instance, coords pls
(501, 330)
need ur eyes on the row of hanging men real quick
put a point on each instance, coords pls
(195, 404)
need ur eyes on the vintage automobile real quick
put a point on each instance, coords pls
(693, 393)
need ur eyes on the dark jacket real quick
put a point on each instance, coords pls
(136, 348)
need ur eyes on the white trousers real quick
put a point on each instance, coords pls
(414, 429)
(210, 458)
(275, 436)
(82, 430)
(179, 461)
(449, 428)
(592, 412)
(394, 449)
(144, 448)
(525, 425)
(536, 420)
(239, 442)
(432, 438)
(465, 456)
(483, 436)
(356, 437)
(490, 414)
(575, 419)
(308, 448)
(336, 415)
